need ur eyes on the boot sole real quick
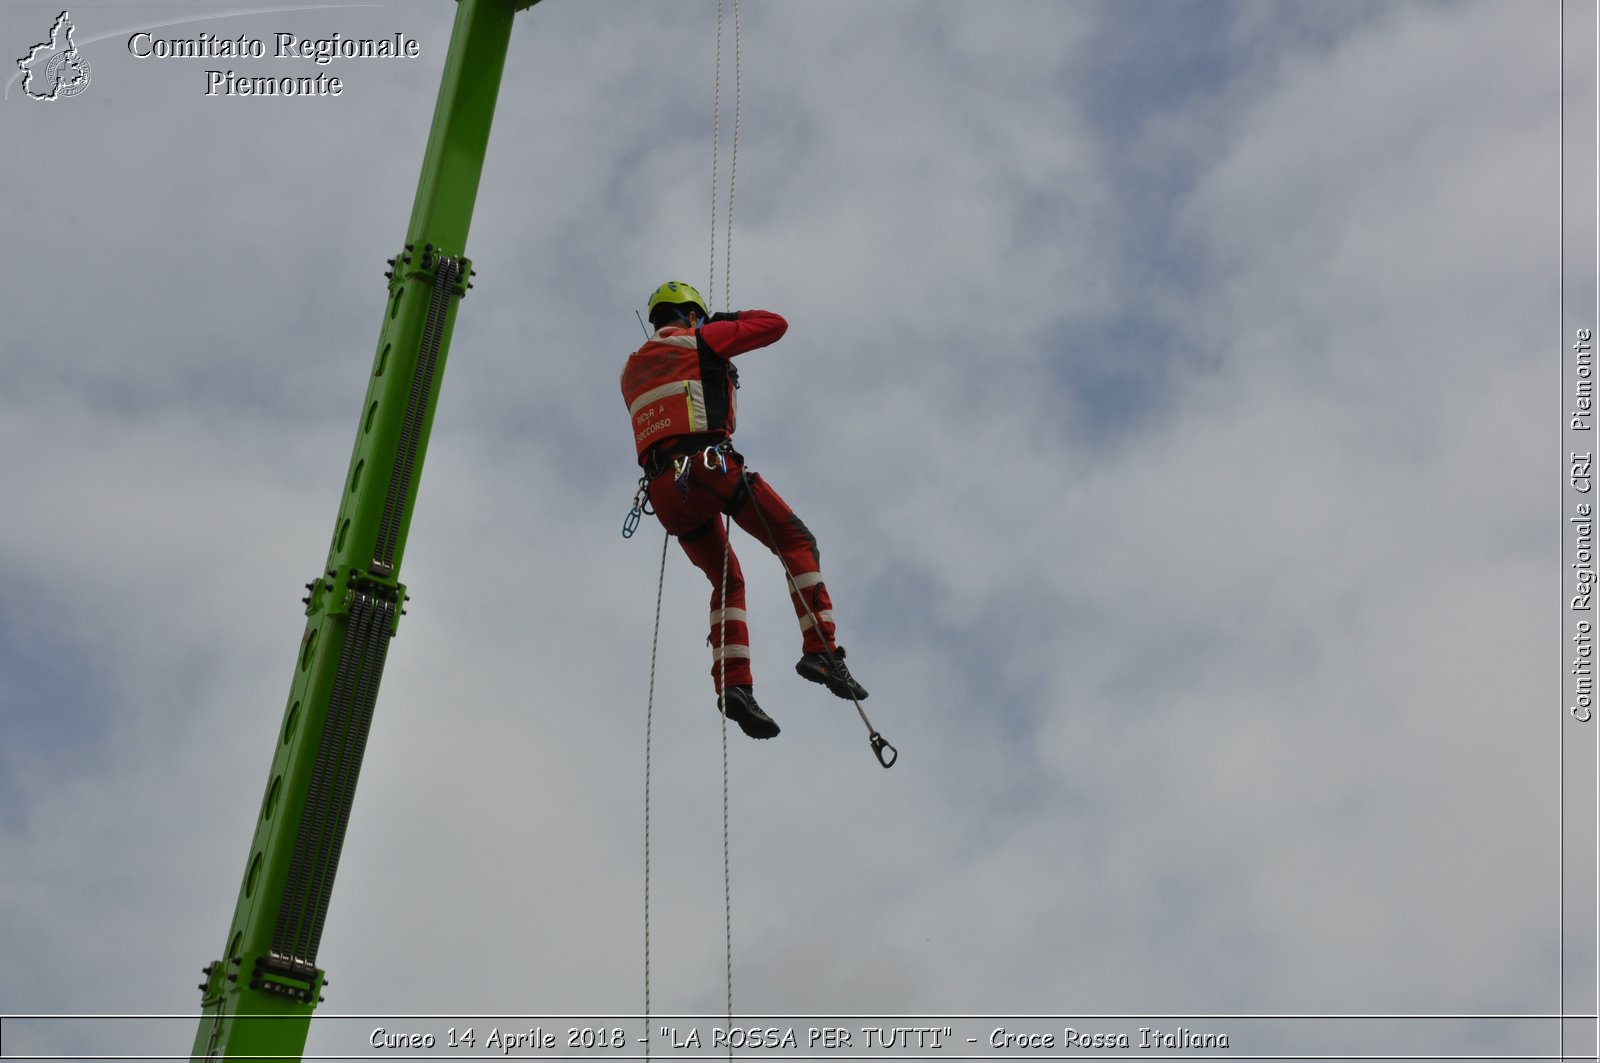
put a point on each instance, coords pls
(754, 726)
(826, 679)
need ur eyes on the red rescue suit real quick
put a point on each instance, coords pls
(679, 388)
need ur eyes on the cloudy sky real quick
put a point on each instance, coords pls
(1175, 388)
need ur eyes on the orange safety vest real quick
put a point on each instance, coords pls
(674, 386)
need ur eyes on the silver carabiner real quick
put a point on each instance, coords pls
(722, 458)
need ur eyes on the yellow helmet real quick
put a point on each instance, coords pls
(677, 295)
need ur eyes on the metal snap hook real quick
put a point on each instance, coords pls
(641, 506)
(879, 745)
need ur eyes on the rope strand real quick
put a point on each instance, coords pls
(649, 707)
(733, 164)
(727, 875)
(716, 131)
(727, 290)
(722, 666)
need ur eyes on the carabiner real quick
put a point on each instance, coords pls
(641, 506)
(879, 744)
(722, 457)
(681, 467)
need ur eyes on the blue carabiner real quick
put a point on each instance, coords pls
(641, 506)
(682, 467)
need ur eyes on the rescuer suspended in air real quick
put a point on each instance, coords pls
(679, 388)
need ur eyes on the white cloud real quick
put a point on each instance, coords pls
(1223, 703)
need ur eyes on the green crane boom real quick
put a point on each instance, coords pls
(258, 999)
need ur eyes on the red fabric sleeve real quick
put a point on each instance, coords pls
(755, 328)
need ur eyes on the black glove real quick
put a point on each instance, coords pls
(723, 316)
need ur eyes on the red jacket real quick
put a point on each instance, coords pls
(680, 383)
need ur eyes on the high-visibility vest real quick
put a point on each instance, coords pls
(674, 386)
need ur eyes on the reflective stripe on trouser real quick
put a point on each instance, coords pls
(810, 596)
(697, 522)
(729, 638)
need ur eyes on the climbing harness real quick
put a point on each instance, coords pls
(713, 457)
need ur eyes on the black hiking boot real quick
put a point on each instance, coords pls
(832, 674)
(739, 705)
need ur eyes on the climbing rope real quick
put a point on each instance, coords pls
(733, 164)
(722, 615)
(649, 706)
(722, 687)
(716, 132)
(641, 505)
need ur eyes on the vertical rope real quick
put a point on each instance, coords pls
(722, 620)
(727, 289)
(727, 875)
(733, 163)
(649, 707)
(716, 130)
